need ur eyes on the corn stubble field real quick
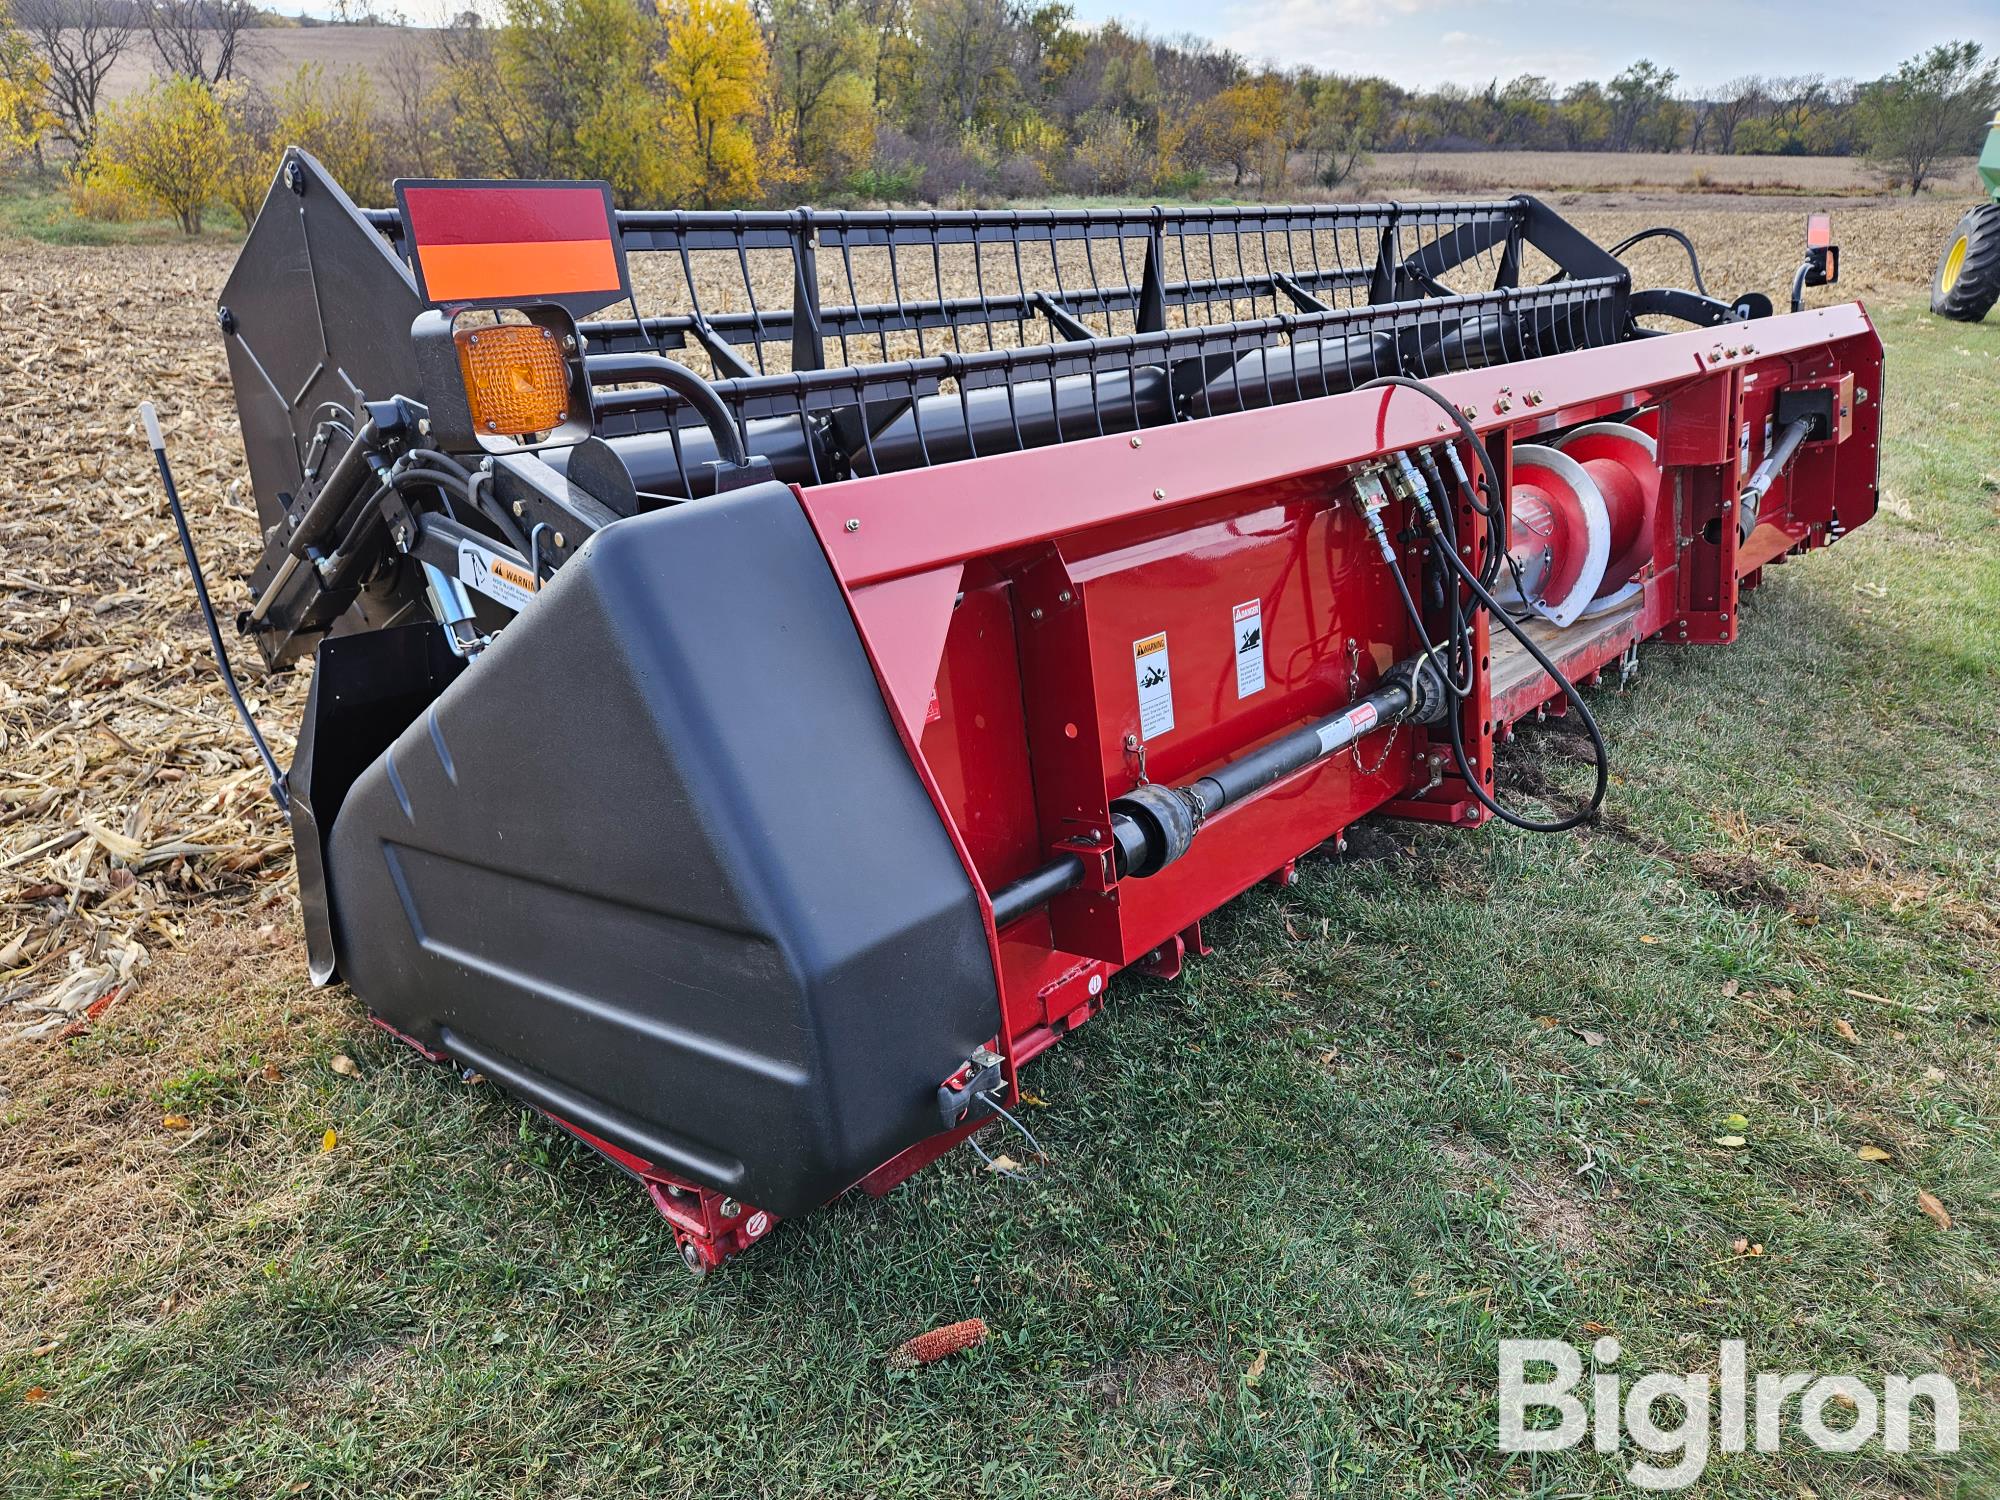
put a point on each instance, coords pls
(1432, 1097)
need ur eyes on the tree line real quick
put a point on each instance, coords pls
(738, 102)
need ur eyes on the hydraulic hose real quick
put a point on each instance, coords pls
(1495, 610)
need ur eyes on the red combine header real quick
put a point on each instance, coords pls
(775, 669)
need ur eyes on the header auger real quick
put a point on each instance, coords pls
(774, 669)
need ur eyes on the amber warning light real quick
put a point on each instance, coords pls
(516, 380)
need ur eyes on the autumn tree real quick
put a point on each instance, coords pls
(557, 88)
(1636, 98)
(714, 70)
(332, 115)
(962, 56)
(822, 57)
(24, 82)
(1735, 102)
(1249, 127)
(1347, 119)
(164, 146)
(1930, 108)
(81, 42)
(1583, 119)
(250, 149)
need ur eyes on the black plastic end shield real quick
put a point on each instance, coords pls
(659, 861)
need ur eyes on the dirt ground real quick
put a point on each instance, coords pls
(138, 847)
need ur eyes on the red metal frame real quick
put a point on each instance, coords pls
(1002, 600)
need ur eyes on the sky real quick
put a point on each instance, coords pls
(1420, 43)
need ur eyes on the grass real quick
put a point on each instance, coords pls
(41, 211)
(1446, 1090)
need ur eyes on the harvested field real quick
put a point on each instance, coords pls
(133, 818)
(1436, 173)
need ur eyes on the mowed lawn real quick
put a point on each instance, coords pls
(1448, 1089)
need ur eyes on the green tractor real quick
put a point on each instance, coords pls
(1967, 282)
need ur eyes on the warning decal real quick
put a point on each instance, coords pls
(1247, 640)
(496, 577)
(1156, 685)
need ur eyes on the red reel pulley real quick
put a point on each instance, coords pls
(1580, 524)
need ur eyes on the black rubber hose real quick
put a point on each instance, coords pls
(279, 791)
(1494, 609)
(477, 496)
(1658, 232)
(1599, 750)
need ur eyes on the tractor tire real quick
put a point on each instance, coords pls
(1967, 283)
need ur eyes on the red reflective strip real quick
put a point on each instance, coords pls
(480, 273)
(505, 215)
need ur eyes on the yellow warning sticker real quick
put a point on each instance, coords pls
(1156, 685)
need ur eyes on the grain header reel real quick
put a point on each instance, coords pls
(774, 669)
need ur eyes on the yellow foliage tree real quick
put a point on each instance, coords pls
(822, 66)
(250, 158)
(558, 88)
(714, 72)
(1250, 126)
(332, 115)
(164, 146)
(24, 88)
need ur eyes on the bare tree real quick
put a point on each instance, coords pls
(411, 76)
(199, 39)
(1736, 101)
(81, 40)
(963, 48)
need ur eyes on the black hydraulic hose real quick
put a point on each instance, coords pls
(657, 369)
(475, 495)
(1494, 609)
(1599, 750)
(1662, 231)
(151, 420)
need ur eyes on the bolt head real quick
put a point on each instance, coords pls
(691, 1257)
(1159, 494)
(1137, 440)
(853, 524)
(559, 540)
(520, 509)
(730, 1208)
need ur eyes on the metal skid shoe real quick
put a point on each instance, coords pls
(709, 1227)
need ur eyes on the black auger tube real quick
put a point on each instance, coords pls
(1146, 841)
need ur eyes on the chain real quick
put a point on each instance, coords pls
(1354, 696)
